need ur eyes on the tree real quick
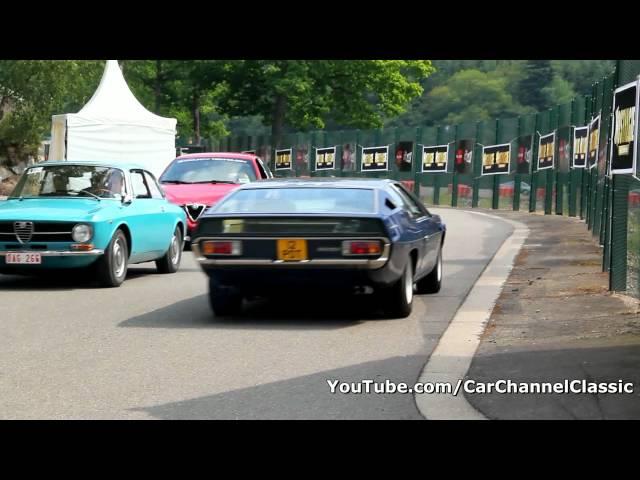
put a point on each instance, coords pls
(533, 88)
(467, 96)
(560, 91)
(148, 80)
(305, 94)
(472, 96)
(186, 90)
(31, 91)
(581, 74)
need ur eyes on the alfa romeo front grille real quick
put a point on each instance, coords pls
(27, 231)
(23, 231)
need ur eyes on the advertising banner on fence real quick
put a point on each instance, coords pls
(623, 147)
(525, 154)
(283, 159)
(375, 159)
(348, 157)
(404, 156)
(594, 142)
(546, 151)
(580, 139)
(563, 153)
(496, 159)
(464, 156)
(434, 159)
(302, 159)
(326, 158)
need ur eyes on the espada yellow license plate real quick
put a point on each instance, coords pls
(292, 249)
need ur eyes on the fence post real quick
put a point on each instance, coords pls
(417, 162)
(608, 221)
(533, 193)
(475, 179)
(454, 180)
(313, 143)
(517, 181)
(495, 198)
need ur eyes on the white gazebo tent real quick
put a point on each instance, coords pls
(114, 126)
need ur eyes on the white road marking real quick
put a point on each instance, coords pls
(452, 357)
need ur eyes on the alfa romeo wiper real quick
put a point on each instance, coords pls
(84, 191)
(216, 181)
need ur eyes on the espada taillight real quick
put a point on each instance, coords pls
(361, 247)
(222, 247)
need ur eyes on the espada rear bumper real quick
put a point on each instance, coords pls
(360, 263)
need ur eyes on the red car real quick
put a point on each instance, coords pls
(199, 180)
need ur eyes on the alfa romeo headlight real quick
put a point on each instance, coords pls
(81, 233)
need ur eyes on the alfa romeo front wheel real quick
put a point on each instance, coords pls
(112, 266)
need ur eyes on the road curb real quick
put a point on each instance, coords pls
(451, 359)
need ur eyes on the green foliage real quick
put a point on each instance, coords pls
(31, 91)
(475, 90)
(559, 91)
(467, 96)
(210, 98)
(581, 74)
(306, 94)
(186, 90)
(533, 88)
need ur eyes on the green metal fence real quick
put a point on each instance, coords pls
(623, 239)
(610, 207)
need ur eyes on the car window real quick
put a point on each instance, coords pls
(407, 202)
(303, 200)
(140, 189)
(396, 199)
(156, 192)
(79, 183)
(414, 199)
(263, 172)
(115, 184)
(264, 168)
(71, 181)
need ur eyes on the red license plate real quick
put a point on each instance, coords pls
(23, 258)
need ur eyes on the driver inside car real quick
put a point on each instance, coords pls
(110, 188)
(115, 183)
(60, 184)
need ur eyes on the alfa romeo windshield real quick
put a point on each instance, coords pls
(70, 181)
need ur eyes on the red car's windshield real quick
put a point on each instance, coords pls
(209, 170)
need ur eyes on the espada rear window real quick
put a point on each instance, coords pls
(299, 200)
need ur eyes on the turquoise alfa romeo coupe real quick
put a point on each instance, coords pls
(97, 215)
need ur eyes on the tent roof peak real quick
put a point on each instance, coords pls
(114, 100)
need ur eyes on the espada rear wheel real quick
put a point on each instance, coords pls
(398, 299)
(432, 282)
(224, 300)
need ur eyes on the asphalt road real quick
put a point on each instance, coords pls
(152, 349)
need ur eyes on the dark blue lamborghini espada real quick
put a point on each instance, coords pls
(283, 234)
